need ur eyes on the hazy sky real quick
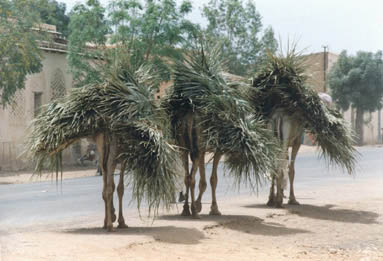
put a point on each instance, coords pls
(340, 24)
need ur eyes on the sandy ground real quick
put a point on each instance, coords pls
(336, 222)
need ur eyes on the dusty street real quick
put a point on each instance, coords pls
(339, 219)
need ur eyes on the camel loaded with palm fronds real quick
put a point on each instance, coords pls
(280, 94)
(207, 115)
(121, 116)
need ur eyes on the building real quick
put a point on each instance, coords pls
(318, 66)
(52, 82)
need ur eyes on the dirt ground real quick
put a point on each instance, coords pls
(335, 222)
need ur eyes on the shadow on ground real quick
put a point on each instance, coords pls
(168, 234)
(329, 212)
(242, 223)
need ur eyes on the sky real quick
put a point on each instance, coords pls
(350, 25)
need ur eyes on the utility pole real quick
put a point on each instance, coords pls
(325, 65)
(380, 129)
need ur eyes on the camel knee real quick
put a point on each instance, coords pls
(202, 185)
(120, 189)
(107, 193)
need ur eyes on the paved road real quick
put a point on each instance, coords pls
(45, 203)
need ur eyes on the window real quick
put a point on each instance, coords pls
(58, 85)
(38, 101)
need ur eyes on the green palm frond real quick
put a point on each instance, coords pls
(201, 88)
(122, 105)
(153, 163)
(234, 130)
(280, 84)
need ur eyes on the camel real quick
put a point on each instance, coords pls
(120, 116)
(288, 131)
(188, 137)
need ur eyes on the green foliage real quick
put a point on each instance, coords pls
(238, 25)
(357, 81)
(122, 105)
(280, 85)
(53, 12)
(19, 51)
(87, 41)
(201, 89)
(153, 162)
(152, 29)
(269, 45)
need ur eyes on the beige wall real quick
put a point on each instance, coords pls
(370, 127)
(15, 120)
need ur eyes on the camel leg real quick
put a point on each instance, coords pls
(280, 180)
(213, 183)
(191, 180)
(111, 166)
(271, 200)
(294, 152)
(202, 182)
(103, 151)
(107, 147)
(120, 191)
(185, 163)
(279, 196)
(283, 126)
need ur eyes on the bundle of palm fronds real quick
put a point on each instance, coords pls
(280, 84)
(153, 163)
(122, 105)
(200, 88)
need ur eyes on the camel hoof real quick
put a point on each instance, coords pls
(114, 217)
(186, 211)
(110, 228)
(122, 225)
(198, 206)
(293, 202)
(215, 212)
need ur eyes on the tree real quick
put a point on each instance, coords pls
(19, 51)
(87, 41)
(153, 29)
(268, 43)
(238, 25)
(357, 81)
(53, 12)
